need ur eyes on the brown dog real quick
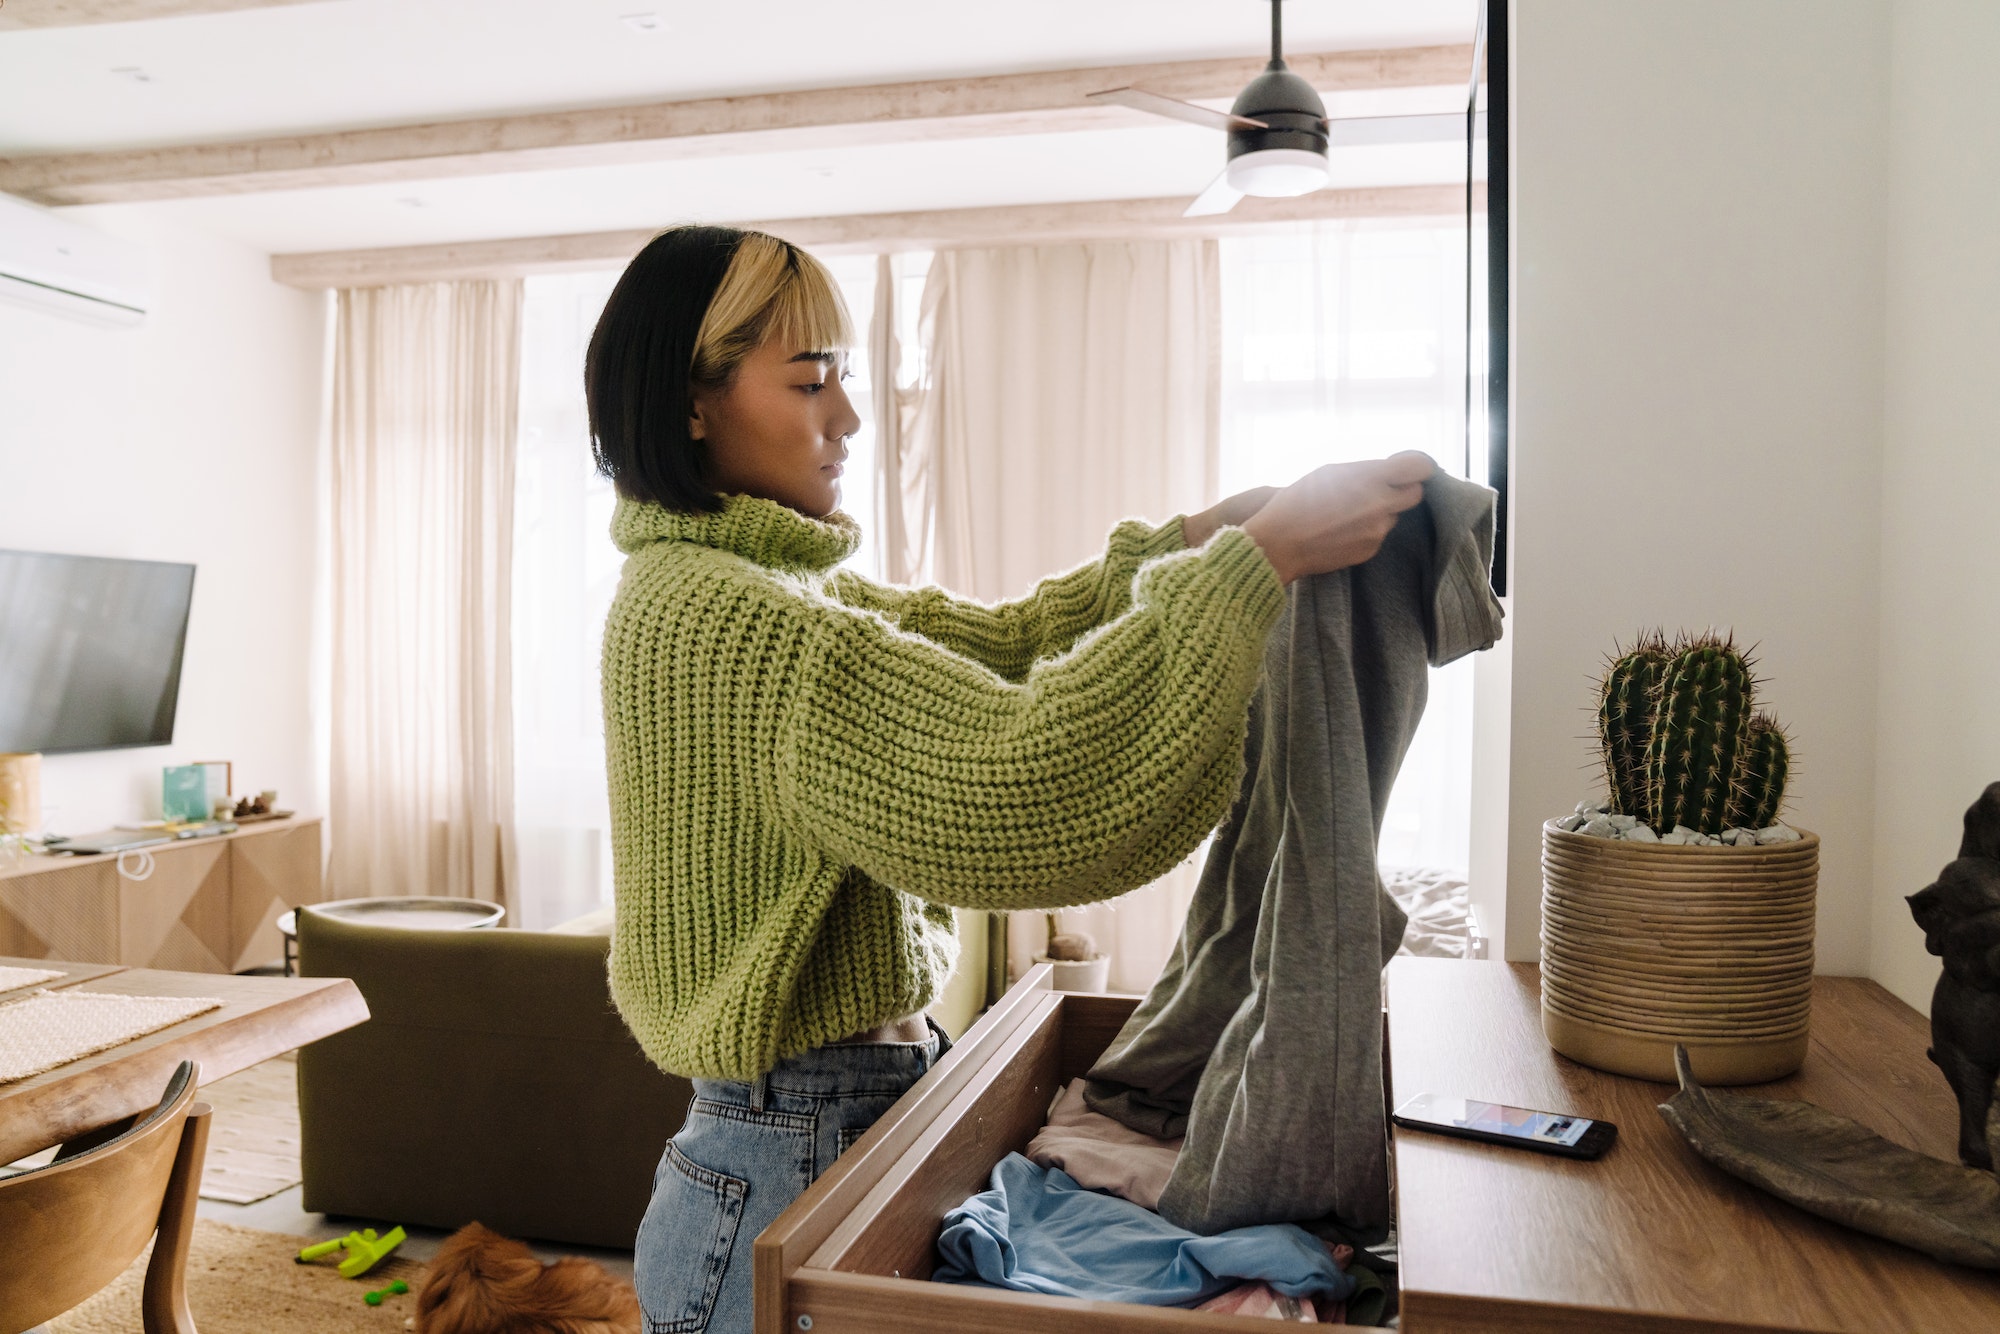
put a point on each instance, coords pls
(483, 1283)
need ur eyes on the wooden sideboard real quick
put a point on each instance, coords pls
(1650, 1238)
(211, 905)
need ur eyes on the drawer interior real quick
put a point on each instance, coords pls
(894, 1231)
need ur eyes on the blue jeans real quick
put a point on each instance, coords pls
(746, 1151)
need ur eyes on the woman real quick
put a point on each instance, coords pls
(809, 770)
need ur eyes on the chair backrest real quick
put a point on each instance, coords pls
(75, 1224)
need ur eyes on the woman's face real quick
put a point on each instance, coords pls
(779, 429)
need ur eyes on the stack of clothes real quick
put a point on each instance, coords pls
(1245, 1094)
(1075, 1217)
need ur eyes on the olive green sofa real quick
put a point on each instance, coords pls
(493, 1082)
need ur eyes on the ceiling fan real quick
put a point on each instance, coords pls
(1279, 131)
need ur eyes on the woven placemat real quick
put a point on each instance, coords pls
(13, 979)
(52, 1028)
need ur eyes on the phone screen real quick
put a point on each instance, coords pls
(1497, 1118)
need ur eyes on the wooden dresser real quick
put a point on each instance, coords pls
(211, 905)
(1650, 1238)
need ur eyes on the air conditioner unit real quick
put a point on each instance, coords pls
(57, 265)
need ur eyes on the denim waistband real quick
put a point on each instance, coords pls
(836, 1070)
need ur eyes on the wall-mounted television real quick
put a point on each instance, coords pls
(90, 651)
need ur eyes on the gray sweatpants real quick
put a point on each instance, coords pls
(1262, 1040)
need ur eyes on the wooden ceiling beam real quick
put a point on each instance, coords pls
(1120, 219)
(1003, 104)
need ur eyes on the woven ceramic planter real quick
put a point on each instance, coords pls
(1647, 945)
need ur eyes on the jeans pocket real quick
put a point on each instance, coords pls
(848, 1135)
(684, 1243)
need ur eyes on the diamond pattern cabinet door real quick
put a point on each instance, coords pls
(270, 872)
(177, 917)
(69, 914)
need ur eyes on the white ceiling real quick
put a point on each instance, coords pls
(343, 64)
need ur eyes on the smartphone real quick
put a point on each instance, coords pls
(1497, 1123)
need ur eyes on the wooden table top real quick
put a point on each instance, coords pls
(1650, 1236)
(260, 1017)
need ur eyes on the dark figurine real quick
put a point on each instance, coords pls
(1960, 916)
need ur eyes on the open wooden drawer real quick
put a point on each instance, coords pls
(853, 1255)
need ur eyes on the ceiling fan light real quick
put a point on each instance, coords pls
(1278, 173)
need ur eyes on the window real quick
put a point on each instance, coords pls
(566, 571)
(1346, 341)
(1340, 342)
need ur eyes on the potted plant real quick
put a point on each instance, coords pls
(20, 803)
(1078, 964)
(1680, 908)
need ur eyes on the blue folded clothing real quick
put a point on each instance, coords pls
(1038, 1231)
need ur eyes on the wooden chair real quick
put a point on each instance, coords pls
(75, 1224)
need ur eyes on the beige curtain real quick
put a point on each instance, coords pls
(424, 408)
(1066, 387)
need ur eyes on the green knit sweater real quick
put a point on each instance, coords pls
(808, 770)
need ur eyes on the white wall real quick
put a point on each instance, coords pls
(190, 438)
(1938, 737)
(1698, 298)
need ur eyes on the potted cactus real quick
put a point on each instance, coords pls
(1074, 956)
(1680, 908)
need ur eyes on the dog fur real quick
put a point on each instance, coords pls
(484, 1283)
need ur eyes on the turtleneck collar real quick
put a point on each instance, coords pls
(772, 535)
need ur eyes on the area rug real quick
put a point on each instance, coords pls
(241, 1281)
(253, 1139)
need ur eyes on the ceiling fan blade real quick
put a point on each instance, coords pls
(1141, 100)
(1358, 131)
(1219, 197)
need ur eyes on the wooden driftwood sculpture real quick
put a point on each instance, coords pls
(1960, 915)
(1833, 1167)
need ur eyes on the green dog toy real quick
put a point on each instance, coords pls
(364, 1250)
(395, 1289)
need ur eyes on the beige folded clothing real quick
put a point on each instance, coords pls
(1103, 1154)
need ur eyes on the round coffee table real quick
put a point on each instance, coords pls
(412, 912)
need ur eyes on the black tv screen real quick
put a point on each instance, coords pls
(90, 651)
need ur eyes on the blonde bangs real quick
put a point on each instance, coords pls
(772, 292)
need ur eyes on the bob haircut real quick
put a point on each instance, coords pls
(688, 309)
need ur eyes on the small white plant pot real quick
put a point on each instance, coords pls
(1093, 974)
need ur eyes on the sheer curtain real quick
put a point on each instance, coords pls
(565, 571)
(422, 507)
(1067, 387)
(1345, 341)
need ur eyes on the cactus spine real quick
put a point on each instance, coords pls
(1697, 736)
(1625, 721)
(1760, 784)
(1680, 742)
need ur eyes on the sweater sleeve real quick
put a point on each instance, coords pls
(1098, 772)
(1009, 637)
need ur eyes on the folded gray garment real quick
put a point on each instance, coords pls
(1262, 1040)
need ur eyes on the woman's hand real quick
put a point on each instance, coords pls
(1337, 515)
(1196, 529)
